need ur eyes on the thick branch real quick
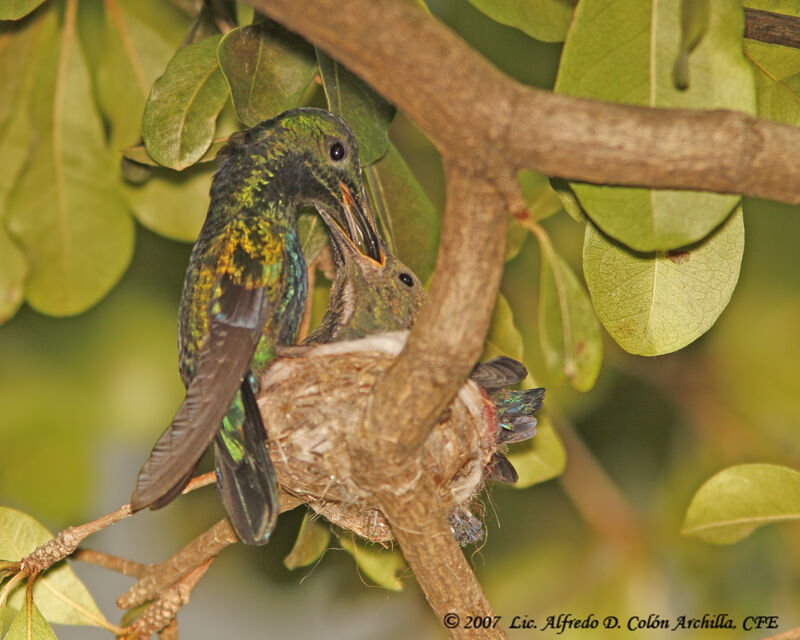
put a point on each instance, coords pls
(448, 338)
(436, 560)
(474, 112)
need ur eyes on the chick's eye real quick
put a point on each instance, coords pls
(337, 151)
(406, 279)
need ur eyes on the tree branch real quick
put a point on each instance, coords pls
(205, 547)
(774, 28)
(113, 563)
(473, 112)
(487, 127)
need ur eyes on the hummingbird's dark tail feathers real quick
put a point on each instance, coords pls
(466, 528)
(223, 361)
(498, 373)
(501, 469)
(515, 411)
(245, 475)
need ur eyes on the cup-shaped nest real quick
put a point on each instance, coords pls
(313, 400)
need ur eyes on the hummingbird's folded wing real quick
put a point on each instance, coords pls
(237, 316)
(498, 373)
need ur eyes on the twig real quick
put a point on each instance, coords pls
(164, 608)
(170, 632)
(199, 551)
(114, 563)
(65, 542)
(206, 546)
(220, 16)
(773, 28)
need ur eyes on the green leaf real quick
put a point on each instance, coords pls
(655, 303)
(244, 13)
(409, 220)
(134, 612)
(738, 500)
(367, 113)
(7, 615)
(29, 624)
(569, 201)
(624, 52)
(268, 70)
(776, 69)
(139, 39)
(778, 99)
(378, 564)
(542, 201)
(503, 338)
(181, 113)
(139, 153)
(13, 270)
(16, 9)
(422, 5)
(313, 235)
(172, 204)
(18, 43)
(516, 234)
(545, 20)
(694, 21)
(320, 296)
(59, 593)
(788, 7)
(65, 211)
(542, 457)
(568, 329)
(312, 541)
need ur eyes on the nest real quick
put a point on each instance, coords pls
(313, 401)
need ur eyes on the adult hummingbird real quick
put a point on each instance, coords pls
(244, 294)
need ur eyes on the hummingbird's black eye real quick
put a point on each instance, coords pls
(406, 279)
(337, 151)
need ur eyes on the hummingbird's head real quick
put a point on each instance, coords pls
(368, 296)
(309, 157)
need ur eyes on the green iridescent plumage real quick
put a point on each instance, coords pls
(244, 295)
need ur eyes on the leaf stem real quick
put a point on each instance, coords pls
(11, 585)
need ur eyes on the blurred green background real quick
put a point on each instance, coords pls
(82, 400)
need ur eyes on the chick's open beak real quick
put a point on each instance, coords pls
(360, 229)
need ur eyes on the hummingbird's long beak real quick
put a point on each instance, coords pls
(360, 232)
